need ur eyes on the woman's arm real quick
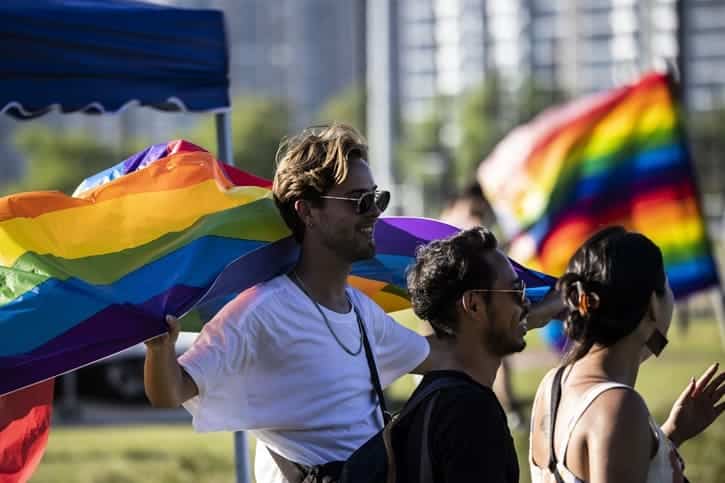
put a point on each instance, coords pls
(619, 439)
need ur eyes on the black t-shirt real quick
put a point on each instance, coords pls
(468, 440)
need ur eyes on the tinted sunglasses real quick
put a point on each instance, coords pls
(519, 288)
(365, 201)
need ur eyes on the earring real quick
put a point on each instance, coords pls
(656, 342)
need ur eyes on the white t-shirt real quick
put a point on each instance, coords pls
(268, 363)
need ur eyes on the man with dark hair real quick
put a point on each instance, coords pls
(469, 292)
(468, 209)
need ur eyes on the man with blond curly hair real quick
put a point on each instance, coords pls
(285, 359)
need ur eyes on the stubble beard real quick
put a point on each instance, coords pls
(503, 342)
(351, 250)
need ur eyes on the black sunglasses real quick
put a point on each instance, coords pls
(365, 202)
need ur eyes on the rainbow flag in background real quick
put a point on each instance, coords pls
(170, 230)
(618, 157)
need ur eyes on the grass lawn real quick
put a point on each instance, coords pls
(176, 454)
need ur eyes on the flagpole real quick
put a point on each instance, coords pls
(674, 77)
(226, 155)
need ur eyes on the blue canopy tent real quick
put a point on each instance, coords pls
(100, 56)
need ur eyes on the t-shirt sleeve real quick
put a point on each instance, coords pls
(217, 361)
(398, 350)
(470, 441)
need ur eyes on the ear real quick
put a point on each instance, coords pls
(471, 304)
(304, 212)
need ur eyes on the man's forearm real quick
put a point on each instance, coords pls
(549, 308)
(163, 377)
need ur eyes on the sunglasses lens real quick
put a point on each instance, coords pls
(382, 199)
(365, 202)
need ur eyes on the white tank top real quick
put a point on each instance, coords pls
(665, 465)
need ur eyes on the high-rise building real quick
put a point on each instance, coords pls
(574, 46)
(702, 43)
(441, 51)
(303, 51)
(580, 46)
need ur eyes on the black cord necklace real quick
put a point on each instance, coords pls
(302, 286)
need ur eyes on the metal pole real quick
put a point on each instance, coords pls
(224, 153)
(70, 406)
(224, 137)
(241, 457)
(382, 89)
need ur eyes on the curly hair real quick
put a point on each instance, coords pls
(443, 270)
(607, 288)
(310, 164)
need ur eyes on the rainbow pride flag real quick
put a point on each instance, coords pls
(618, 157)
(170, 230)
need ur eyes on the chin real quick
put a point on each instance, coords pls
(364, 253)
(502, 349)
(518, 347)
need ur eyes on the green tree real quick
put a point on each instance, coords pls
(258, 125)
(350, 107)
(460, 132)
(486, 116)
(423, 158)
(481, 127)
(534, 97)
(705, 130)
(60, 161)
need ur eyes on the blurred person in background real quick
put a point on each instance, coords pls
(588, 423)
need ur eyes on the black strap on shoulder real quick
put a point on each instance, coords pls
(420, 395)
(553, 410)
(371, 365)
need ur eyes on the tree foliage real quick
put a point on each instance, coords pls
(705, 131)
(61, 160)
(258, 125)
(350, 107)
(460, 132)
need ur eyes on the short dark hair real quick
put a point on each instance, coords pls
(618, 271)
(443, 270)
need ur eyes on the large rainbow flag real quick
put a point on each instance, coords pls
(170, 230)
(619, 157)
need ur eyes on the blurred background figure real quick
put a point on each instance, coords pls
(468, 209)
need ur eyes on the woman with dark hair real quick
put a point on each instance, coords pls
(588, 424)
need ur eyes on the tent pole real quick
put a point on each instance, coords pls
(224, 153)
(241, 457)
(717, 298)
(224, 137)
